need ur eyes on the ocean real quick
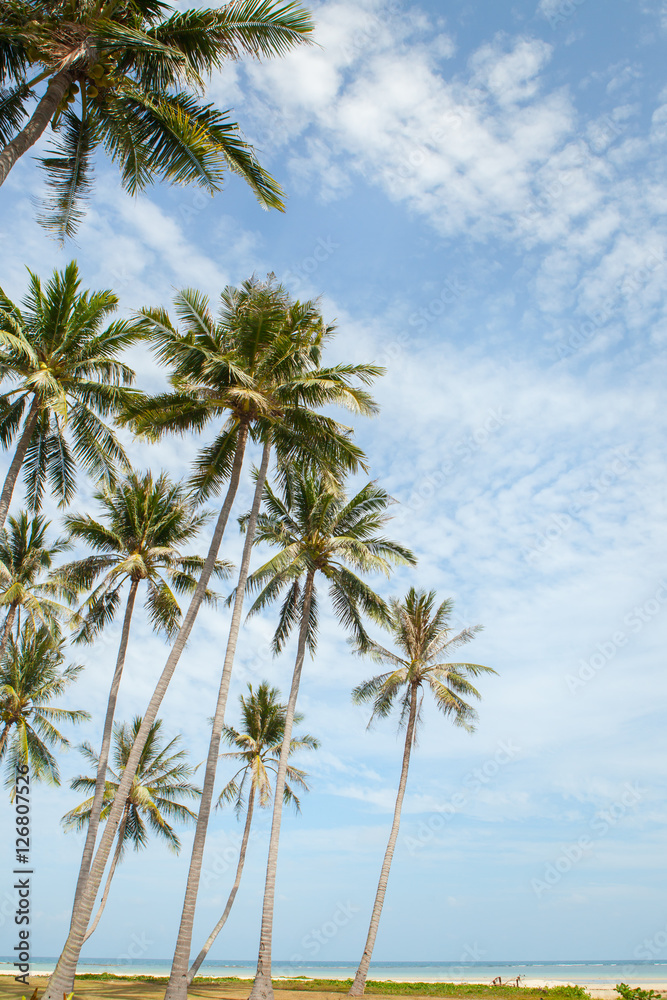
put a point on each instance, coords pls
(601, 974)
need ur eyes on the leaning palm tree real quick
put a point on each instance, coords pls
(422, 634)
(66, 376)
(127, 76)
(160, 785)
(260, 366)
(319, 531)
(257, 748)
(26, 584)
(31, 677)
(138, 542)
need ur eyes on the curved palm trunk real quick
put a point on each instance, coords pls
(262, 987)
(112, 869)
(41, 117)
(177, 986)
(19, 456)
(62, 978)
(101, 777)
(359, 984)
(194, 968)
(7, 627)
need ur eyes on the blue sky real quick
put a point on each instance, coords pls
(477, 191)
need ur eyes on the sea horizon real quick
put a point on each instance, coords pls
(591, 972)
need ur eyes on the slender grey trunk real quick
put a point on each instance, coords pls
(19, 455)
(177, 987)
(359, 984)
(262, 988)
(41, 116)
(62, 978)
(112, 869)
(194, 968)
(9, 621)
(101, 777)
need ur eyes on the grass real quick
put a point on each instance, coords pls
(103, 986)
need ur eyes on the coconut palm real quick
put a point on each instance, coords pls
(127, 76)
(25, 582)
(67, 376)
(145, 522)
(422, 634)
(260, 365)
(160, 785)
(31, 677)
(257, 749)
(319, 530)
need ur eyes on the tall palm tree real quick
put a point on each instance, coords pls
(31, 677)
(259, 370)
(127, 76)
(160, 785)
(25, 558)
(67, 376)
(257, 749)
(319, 531)
(145, 522)
(422, 634)
(260, 364)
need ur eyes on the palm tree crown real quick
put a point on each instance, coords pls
(320, 530)
(30, 679)
(257, 747)
(160, 786)
(145, 523)
(67, 376)
(423, 634)
(25, 582)
(258, 367)
(125, 76)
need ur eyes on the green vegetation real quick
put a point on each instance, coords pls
(637, 993)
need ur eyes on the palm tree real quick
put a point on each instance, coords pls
(134, 70)
(319, 530)
(260, 364)
(257, 748)
(160, 785)
(144, 523)
(30, 679)
(25, 556)
(67, 376)
(422, 633)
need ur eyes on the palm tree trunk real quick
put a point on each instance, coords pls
(194, 968)
(177, 986)
(41, 117)
(359, 984)
(9, 621)
(112, 869)
(101, 777)
(19, 455)
(62, 978)
(4, 736)
(262, 988)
